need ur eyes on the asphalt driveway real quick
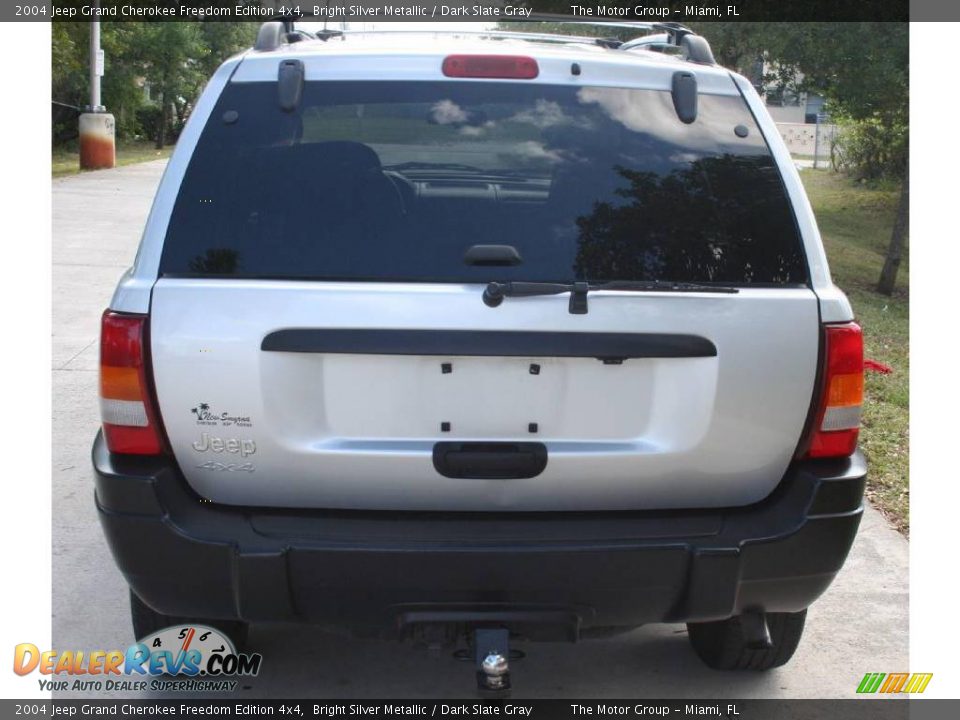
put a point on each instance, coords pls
(860, 625)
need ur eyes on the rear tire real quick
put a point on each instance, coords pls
(721, 646)
(146, 621)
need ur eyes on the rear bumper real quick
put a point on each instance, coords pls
(387, 571)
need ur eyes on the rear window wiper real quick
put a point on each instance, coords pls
(495, 292)
(664, 286)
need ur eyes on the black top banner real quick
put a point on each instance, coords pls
(476, 10)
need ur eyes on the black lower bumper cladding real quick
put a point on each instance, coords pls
(384, 572)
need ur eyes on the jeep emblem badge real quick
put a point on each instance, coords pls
(229, 445)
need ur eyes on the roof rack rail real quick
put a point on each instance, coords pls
(326, 34)
(668, 35)
(269, 36)
(495, 34)
(275, 33)
(694, 47)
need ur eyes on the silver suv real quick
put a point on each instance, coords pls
(485, 335)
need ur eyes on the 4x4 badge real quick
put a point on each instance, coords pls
(227, 467)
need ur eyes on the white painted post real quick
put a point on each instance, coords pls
(96, 64)
(816, 143)
(98, 147)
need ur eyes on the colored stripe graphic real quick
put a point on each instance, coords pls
(894, 683)
(918, 682)
(870, 682)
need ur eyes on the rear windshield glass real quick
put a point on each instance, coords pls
(388, 181)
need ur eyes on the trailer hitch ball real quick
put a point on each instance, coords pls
(494, 672)
(492, 657)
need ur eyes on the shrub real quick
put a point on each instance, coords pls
(872, 148)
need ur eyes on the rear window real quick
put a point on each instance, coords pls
(389, 181)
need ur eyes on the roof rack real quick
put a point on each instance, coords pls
(667, 37)
(275, 33)
(693, 47)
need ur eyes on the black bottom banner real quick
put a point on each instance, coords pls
(867, 709)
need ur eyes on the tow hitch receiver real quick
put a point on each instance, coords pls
(756, 632)
(492, 657)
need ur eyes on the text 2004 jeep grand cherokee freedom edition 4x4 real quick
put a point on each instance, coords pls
(436, 336)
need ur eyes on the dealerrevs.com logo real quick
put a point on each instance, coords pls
(178, 658)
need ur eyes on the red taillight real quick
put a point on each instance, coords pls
(130, 422)
(836, 422)
(516, 67)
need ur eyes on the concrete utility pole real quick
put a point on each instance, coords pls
(96, 66)
(97, 127)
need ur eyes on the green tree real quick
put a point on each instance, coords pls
(170, 60)
(861, 69)
(224, 39)
(171, 55)
(66, 40)
(70, 83)
(740, 46)
(898, 239)
(122, 82)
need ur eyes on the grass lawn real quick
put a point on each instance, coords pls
(856, 221)
(66, 160)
